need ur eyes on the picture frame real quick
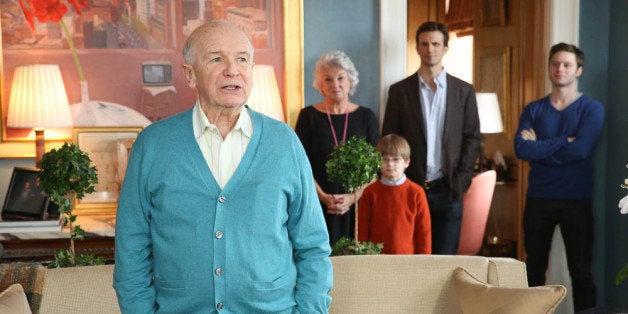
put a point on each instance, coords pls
(115, 75)
(25, 199)
(493, 13)
(494, 77)
(109, 149)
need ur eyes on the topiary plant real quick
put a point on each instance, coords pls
(353, 164)
(65, 174)
(347, 246)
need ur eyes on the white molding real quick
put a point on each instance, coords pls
(564, 22)
(392, 47)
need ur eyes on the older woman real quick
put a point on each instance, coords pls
(323, 125)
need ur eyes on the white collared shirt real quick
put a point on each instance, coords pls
(433, 105)
(394, 183)
(222, 155)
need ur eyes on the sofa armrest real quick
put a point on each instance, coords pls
(507, 272)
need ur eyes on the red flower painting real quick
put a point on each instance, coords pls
(49, 10)
(53, 11)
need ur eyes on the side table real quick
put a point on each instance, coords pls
(42, 246)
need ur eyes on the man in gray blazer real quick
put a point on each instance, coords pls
(437, 114)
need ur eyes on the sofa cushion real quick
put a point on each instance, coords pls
(30, 275)
(13, 300)
(84, 289)
(476, 296)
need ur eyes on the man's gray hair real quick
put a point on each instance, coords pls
(188, 47)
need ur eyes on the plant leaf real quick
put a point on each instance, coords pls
(621, 275)
(353, 163)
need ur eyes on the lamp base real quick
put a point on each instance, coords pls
(499, 247)
(40, 145)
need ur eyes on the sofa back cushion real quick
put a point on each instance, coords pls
(84, 289)
(399, 283)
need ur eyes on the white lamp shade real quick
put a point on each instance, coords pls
(264, 95)
(38, 98)
(489, 112)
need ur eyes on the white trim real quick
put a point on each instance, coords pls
(564, 25)
(392, 47)
(564, 22)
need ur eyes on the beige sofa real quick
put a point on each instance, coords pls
(362, 284)
(412, 283)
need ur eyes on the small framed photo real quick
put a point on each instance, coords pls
(109, 149)
(25, 199)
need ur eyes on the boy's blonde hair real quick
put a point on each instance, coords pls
(395, 145)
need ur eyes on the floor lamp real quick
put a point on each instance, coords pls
(38, 100)
(490, 123)
(490, 119)
(265, 96)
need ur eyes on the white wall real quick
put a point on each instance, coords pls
(392, 47)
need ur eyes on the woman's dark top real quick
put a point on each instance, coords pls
(315, 133)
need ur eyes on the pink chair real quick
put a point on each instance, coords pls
(476, 205)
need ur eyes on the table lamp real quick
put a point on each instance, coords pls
(264, 95)
(490, 118)
(38, 100)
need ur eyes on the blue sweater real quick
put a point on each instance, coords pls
(559, 169)
(184, 245)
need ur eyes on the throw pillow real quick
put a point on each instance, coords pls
(475, 296)
(13, 300)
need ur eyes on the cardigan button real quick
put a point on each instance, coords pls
(218, 271)
(222, 199)
(219, 234)
(219, 306)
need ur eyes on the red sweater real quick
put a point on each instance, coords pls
(397, 216)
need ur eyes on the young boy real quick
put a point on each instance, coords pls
(394, 210)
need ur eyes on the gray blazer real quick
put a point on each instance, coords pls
(461, 135)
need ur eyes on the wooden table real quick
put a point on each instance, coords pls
(42, 246)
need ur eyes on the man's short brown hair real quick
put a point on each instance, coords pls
(567, 48)
(432, 26)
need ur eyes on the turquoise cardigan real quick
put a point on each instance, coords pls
(184, 245)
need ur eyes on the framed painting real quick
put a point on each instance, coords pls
(494, 77)
(113, 65)
(109, 150)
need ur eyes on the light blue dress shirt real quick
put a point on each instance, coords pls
(433, 103)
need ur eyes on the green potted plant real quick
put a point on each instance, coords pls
(353, 164)
(66, 173)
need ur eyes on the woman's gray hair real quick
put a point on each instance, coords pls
(335, 59)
